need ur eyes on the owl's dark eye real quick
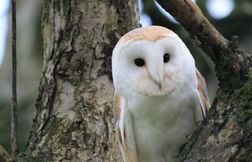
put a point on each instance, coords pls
(166, 57)
(139, 62)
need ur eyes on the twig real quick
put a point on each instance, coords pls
(14, 143)
(226, 59)
(4, 154)
(200, 29)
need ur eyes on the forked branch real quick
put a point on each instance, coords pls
(4, 155)
(232, 65)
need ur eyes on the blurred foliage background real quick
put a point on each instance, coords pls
(236, 21)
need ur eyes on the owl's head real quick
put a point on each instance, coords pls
(151, 61)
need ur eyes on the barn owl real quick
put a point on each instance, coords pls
(159, 94)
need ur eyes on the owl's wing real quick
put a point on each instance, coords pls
(124, 129)
(203, 96)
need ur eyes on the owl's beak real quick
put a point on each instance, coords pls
(159, 84)
(156, 72)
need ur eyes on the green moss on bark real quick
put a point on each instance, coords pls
(227, 135)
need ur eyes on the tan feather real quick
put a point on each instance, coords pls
(204, 100)
(128, 154)
(152, 33)
(117, 109)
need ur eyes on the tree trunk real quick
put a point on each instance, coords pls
(227, 133)
(74, 120)
(74, 106)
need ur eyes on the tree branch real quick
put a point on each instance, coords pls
(4, 154)
(232, 65)
(226, 135)
(14, 143)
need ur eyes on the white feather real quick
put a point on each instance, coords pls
(161, 102)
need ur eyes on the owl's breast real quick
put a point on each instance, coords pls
(161, 124)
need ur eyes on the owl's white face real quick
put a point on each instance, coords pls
(151, 61)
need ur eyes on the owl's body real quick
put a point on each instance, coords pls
(159, 125)
(159, 94)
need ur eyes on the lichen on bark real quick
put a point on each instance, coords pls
(74, 108)
(227, 133)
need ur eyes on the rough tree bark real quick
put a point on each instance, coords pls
(227, 134)
(74, 107)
